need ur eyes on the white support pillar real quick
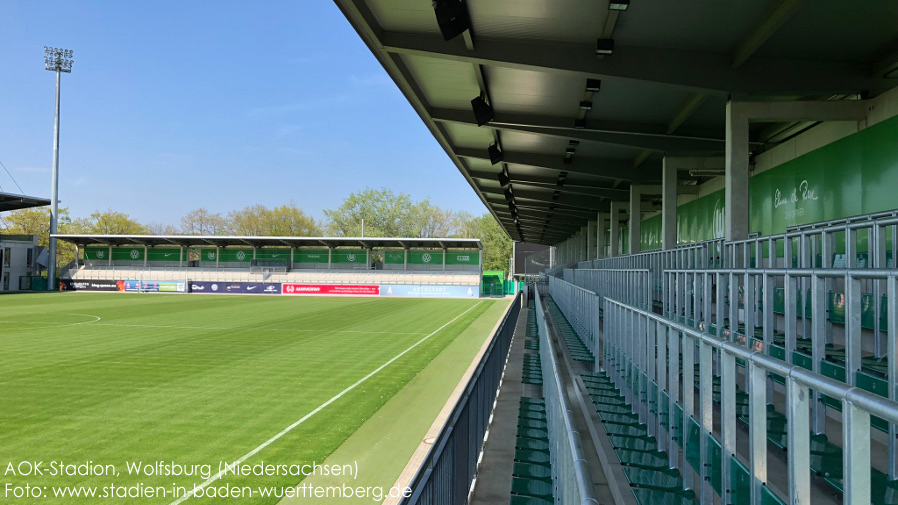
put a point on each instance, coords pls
(405, 259)
(584, 239)
(616, 208)
(601, 226)
(736, 178)
(217, 255)
(110, 256)
(635, 219)
(668, 204)
(591, 241)
(145, 249)
(180, 256)
(292, 250)
(444, 260)
(367, 258)
(330, 251)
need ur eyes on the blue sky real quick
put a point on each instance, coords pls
(173, 106)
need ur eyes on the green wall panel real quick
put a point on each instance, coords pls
(463, 258)
(651, 234)
(348, 256)
(425, 257)
(310, 256)
(165, 254)
(274, 254)
(227, 255)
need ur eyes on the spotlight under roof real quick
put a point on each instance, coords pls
(483, 113)
(496, 155)
(619, 5)
(604, 47)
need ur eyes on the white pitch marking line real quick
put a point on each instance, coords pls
(321, 407)
(255, 330)
(51, 325)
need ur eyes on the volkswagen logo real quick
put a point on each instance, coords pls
(241, 255)
(135, 254)
(426, 257)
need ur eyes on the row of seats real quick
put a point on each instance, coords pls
(575, 345)
(531, 482)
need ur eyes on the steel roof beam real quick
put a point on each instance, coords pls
(598, 167)
(688, 70)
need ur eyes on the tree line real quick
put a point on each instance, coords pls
(385, 214)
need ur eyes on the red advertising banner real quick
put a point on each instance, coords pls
(330, 289)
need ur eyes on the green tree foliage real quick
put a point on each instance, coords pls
(202, 222)
(259, 220)
(110, 222)
(497, 246)
(385, 213)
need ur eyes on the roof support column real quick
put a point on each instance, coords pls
(110, 256)
(584, 241)
(591, 240)
(600, 234)
(736, 177)
(616, 208)
(635, 218)
(145, 257)
(668, 204)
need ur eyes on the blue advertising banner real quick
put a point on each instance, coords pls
(429, 291)
(241, 288)
(155, 287)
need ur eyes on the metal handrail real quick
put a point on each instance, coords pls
(570, 470)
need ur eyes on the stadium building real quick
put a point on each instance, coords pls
(20, 254)
(715, 321)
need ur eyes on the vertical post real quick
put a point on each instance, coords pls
(54, 195)
(668, 204)
(405, 259)
(110, 256)
(444, 260)
(145, 249)
(615, 228)
(591, 240)
(292, 251)
(600, 235)
(180, 256)
(330, 251)
(217, 255)
(736, 178)
(635, 219)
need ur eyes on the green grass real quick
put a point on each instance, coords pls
(201, 379)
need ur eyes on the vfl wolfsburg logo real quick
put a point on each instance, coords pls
(100, 254)
(426, 257)
(350, 257)
(135, 254)
(241, 255)
(210, 255)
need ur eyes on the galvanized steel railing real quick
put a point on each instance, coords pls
(447, 473)
(581, 307)
(643, 349)
(630, 286)
(717, 301)
(570, 470)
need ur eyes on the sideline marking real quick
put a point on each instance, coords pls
(321, 407)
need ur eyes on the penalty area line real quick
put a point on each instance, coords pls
(318, 409)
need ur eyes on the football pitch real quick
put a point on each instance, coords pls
(153, 398)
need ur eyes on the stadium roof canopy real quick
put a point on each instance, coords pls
(226, 241)
(11, 201)
(575, 128)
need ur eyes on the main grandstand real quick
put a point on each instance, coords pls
(717, 319)
(445, 267)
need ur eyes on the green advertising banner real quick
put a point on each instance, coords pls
(352, 256)
(227, 255)
(650, 238)
(164, 254)
(310, 256)
(852, 176)
(282, 254)
(463, 258)
(96, 253)
(394, 257)
(425, 257)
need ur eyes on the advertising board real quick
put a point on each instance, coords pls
(331, 289)
(429, 291)
(237, 288)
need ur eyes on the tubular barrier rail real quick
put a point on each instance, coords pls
(630, 286)
(581, 307)
(644, 354)
(570, 471)
(447, 472)
(847, 336)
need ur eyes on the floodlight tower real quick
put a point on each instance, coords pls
(56, 60)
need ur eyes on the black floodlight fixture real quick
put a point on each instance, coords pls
(579, 124)
(483, 113)
(504, 179)
(573, 143)
(619, 5)
(452, 17)
(585, 105)
(495, 154)
(604, 47)
(569, 152)
(593, 85)
(509, 196)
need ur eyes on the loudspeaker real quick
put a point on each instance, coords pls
(452, 16)
(483, 113)
(495, 154)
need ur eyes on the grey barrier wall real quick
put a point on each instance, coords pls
(642, 354)
(752, 307)
(581, 307)
(570, 471)
(447, 473)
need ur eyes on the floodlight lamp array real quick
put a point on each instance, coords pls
(58, 59)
